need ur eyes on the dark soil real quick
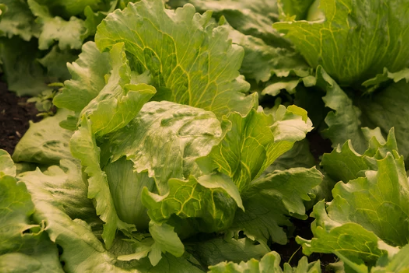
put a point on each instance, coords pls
(15, 114)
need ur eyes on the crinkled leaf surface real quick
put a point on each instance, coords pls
(88, 73)
(271, 199)
(119, 101)
(67, 33)
(193, 73)
(249, 17)
(254, 142)
(377, 28)
(211, 201)
(262, 61)
(45, 142)
(165, 139)
(269, 263)
(365, 213)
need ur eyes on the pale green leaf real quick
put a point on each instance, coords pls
(87, 81)
(7, 166)
(119, 101)
(193, 73)
(180, 132)
(68, 34)
(270, 263)
(210, 201)
(45, 142)
(377, 28)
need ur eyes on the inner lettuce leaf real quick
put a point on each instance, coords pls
(377, 28)
(358, 223)
(254, 142)
(164, 139)
(193, 73)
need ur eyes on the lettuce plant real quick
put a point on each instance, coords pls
(166, 155)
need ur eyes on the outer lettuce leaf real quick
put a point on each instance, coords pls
(22, 73)
(45, 142)
(210, 200)
(248, 17)
(366, 214)
(193, 73)
(344, 122)
(56, 62)
(166, 240)
(82, 250)
(387, 109)
(66, 185)
(376, 27)
(184, 132)
(69, 8)
(271, 199)
(345, 164)
(119, 101)
(67, 33)
(270, 263)
(262, 61)
(24, 247)
(220, 249)
(87, 81)
(7, 166)
(84, 148)
(17, 20)
(254, 142)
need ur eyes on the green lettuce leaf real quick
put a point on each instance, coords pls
(184, 132)
(220, 249)
(84, 148)
(211, 201)
(248, 17)
(368, 216)
(56, 63)
(269, 263)
(270, 200)
(24, 75)
(193, 73)
(386, 109)
(45, 142)
(254, 142)
(377, 28)
(119, 101)
(17, 19)
(24, 246)
(88, 78)
(67, 33)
